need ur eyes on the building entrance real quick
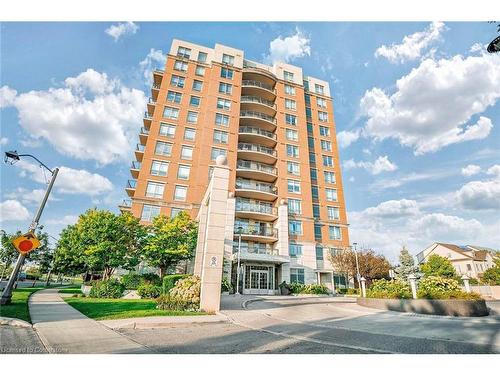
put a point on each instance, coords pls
(259, 279)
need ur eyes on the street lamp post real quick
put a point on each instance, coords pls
(240, 229)
(12, 157)
(358, 275)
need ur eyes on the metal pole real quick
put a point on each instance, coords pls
(7, 292)
(238, 266)
(357, 263)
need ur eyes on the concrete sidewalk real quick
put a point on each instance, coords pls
(63, 329)
(161, 321)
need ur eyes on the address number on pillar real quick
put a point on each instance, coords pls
(213, 262)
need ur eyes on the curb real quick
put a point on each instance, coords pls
(165, 321)
(13, 322)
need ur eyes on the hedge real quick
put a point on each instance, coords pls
(169, 282)
(111, 288)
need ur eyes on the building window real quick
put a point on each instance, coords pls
(314, 174)
(295, 227)
(307, 99)
(318, 89)
(297, 275)
(170, 112)
(292, 151)
(293, 167)
(159, 168)
(306, 85)
(177, 81)
(322, 116)
(321, 102)
(220, 137)
(310, 128)
(292, 135)
(469, 267)
(334, 232)
(174, 97)
(163, 148)
(289, 90)
(290, 119)
(324, 131)
(202, 57)
(290, 104)
(225, 88)
(192, 117)
(221, 119)
(294, 206)
(227, 59)
(189, 134)
(308, 113)
(288, 76)
(294, 249)
(226, 73)
(319, 252)
(326, 145)
(327, 161)
(194, 101)
(200, 70)
(210, 172)
(186, 152)
(310, 142)
(184, 52)
(314, 192)
(294, 186)
(216, 152)
(183, 172)
(223, 104)
(333, 213)
(312, 158)
(155, 190)
(316, 212)
(329, 177)
(181, 66)
(149, 212)
(180, 193)
(317, 232)
(167, 130)
(331, 195)
(197, 85)
(174, 212)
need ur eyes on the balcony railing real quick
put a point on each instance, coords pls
(140, 147)
(260, 115)
(148, 115)
(254, 166)
(258, 186)
(253, 249)
(144, 131)
(256, 99)
(249, 206)
(136, 165)
(151, 101)
(126, 203)
(248, 82)
(158, 71)
(253, 130)
(155, 86)
(131, 184)
(257, 230)
(251, 66)
(256, 148)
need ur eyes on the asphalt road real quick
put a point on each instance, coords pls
(20, 340)
(322, 325)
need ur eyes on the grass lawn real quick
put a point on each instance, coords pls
(104, 308)
(18, 308)
(71, 290)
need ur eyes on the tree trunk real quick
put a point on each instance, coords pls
(47, 282)
(162, 273)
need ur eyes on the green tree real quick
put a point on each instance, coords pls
(438, 266)
(170, 241)
(8, 253)
(406, 265)
(69, 257)
(343, 262)
(492, 275)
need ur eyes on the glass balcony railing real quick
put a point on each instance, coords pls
(258, 186)
(257, 230)
(126, 203)
(254, 166)
(140, 148)
(255, 206)
(255, 249)
(258, 131)
(148, 115)
(260, 115)
(136, 165)
(257, 99)
(248, 82)
(131, 184)
(155, 86)
(256, 148)
(144, 131)
(152, 101)
(158, 71)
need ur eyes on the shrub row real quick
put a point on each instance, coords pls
(185, 295)
(111, 288)
(133, 280)
(169, 282)
(297, 288)
(389, 289)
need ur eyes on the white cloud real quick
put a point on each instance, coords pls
(382, 164)
(64, 221)
(345, 137)
(438, 225)
(471, 170)
(480, 195)
(13, 210)
(432, 105)
(7, 96)
(92, 117)
(26, 196)
(494, 170)
(412, 46)
(69, 180)
(154, 59)
(121, 29)
(4, 141)
(288, 48)
(394, 209)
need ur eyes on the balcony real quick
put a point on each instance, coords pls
(258, 153)
(253, 87)
(135, 168)
(158, 76)
(256, 171)
(155, 89)
(148, 117)
(151, 105)
(257, 233)
(143, 135)
(139, 152)
(255, 249)
(125, 206)
(250, 69)
(130, 188)
(256, 103)
(257, 210)
(264, 121)
(251, 134)
(255, 190)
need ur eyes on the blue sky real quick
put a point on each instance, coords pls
(416, 110)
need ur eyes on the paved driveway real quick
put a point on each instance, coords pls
(322, 325)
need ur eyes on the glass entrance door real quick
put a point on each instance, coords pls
(258, 279)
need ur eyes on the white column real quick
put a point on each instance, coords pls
(413, 284)
(465, 279)
(282, 244)
(363, 287)
(229, 235)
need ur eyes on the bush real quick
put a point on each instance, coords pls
(147, 290)
(169, 282)
(151, 278)
(185, 295)
(342, 290)
(389, 289)
(131, 281)
(111, 288)
(352, 291)
(437, 287)
(167, 302)
(297, 288)
(226, 285)
(438, 266)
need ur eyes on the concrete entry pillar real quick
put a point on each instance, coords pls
(282, 244)
(212, 237)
